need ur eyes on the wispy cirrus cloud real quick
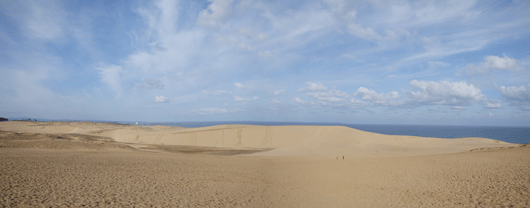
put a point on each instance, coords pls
(112, 75)
(215, 13)
(41, 20)
(368, 55)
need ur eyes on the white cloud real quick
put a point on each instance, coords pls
(239, 85)
(504, 63)
(112, 76)
(347, 14)
(277, 92)
(351, 57)
(333, 96)
(443, 93)
(215, 13)
(275, 101)
(150, 84)
(490, 114)
(492, 104)
(161, 99)
(355, 103)
(372, 96)
(168, 47)
(298, 100)
(209, 111)
(162, 20)
(237, 98)
(492, 63)
(314, 87)
(517, 96)
(325, 97)
(521, 93)
(171, 50)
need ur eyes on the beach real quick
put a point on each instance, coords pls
(72, 164)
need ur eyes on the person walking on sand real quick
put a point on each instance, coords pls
(343, 157)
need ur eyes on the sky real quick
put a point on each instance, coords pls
(354, 62)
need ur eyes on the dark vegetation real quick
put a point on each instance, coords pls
(25, 119)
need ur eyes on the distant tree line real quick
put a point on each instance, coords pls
(26, 119)
(3, 119)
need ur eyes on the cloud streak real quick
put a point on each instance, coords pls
(301, 61)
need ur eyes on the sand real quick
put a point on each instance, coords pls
(109, 165)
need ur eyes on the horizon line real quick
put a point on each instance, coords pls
(250, 121)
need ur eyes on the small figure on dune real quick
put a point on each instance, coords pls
(343, 157)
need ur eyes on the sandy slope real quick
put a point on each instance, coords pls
(58, 178)
(315, 141)
(78, 164)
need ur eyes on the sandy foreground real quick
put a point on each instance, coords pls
(73, 164)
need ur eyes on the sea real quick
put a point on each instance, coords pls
(510, 134)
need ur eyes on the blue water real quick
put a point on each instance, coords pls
(517, 135)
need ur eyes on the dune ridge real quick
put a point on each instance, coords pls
(317, 141)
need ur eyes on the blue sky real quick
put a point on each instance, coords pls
(361, 62)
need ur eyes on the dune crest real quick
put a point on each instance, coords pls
(317, 141)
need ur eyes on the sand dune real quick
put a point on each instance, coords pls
(315, 141)
(74, 164)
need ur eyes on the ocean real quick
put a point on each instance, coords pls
(517, 135)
